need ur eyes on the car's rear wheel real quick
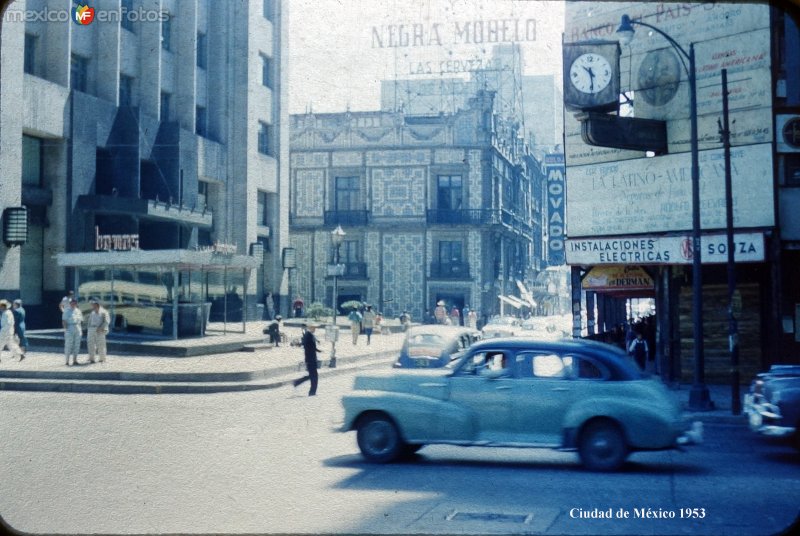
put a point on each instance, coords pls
(379, 439)
(602, 446)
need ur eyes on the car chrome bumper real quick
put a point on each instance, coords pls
(763, 416)
(692, 436)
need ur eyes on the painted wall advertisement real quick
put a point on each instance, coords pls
(748, 247)
(654, 194)
(731, 36)
(555, 195)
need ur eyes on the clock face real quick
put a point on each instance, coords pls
(590, 73)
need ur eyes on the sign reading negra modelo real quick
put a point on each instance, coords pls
(115, 242)
(473, 32)
(748, 247)
(554, 165)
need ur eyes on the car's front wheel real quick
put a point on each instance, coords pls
(379, 439)
(602, 446)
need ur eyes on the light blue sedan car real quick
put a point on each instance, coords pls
(517, 392)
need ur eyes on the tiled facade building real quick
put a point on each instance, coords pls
(164, 119)
(443, 207)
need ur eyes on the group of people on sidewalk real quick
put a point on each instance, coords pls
(12, 329)
(97, 325)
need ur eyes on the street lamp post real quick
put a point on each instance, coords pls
(699, 398)
(337, 237)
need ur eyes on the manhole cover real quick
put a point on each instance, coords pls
(489, 516)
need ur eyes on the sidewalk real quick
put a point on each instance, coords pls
(262, 367)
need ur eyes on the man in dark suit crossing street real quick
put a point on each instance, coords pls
(311, 350)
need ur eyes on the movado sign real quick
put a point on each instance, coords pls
(556, 186)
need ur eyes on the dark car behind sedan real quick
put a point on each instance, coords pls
(434, 346)
(773, 403)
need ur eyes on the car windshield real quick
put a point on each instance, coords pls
(425, 345)
(502, 321)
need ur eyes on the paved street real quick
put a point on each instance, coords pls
(267, 461)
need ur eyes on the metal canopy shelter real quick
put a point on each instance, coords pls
(166, 261)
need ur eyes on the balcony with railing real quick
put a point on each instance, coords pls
(354, 270)
(468, 216)
(347, 217)
(450, 270)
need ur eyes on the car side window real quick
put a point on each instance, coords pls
(494, 360)
(584, 368)
(551, 366)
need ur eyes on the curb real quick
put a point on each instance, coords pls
(167, 387)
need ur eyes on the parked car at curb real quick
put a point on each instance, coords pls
(519, 392)
(434, 346)
(772, 405)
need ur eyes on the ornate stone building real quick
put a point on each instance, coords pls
(435, 207)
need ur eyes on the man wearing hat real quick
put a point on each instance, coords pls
(311, 350)
(19, 326)
(71, 319)
(7, 330)
(96, 330)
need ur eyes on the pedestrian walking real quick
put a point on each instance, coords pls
(19, 326)
(7, 330)
(369, 322)
(310, 349)
(269, 306)
(64, 303)
(455, 316)
(298, 305)
(71, 319)
(638, 349)
(405, 320)
(472, 319)
(96, 330)
(440, 313)
(355, 324)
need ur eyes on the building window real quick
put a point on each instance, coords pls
(202, 195)
(79, 73)
(268, 9)
(266, 71)
(349, 252)
(30, 53)
(347, 190)
(126, 17)
(264, 138)
(31, 161)
(201, 121)
(449, 192)
(450, 252)
(125, 90)
(165, 102)
(262, 215)
(166, 34)
(202, 50)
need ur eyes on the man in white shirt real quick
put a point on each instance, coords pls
(71, 319)
(96, 330)
(64, 303)
(7, 330)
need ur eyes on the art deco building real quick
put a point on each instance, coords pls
(162, 120)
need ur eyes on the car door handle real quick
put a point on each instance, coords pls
(559, 389)
(433, 385)
(503, 388)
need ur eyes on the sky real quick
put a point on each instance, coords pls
(340, 50)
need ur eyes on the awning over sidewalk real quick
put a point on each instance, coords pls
(142, 284)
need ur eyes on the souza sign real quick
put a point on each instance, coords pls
(748, 247)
